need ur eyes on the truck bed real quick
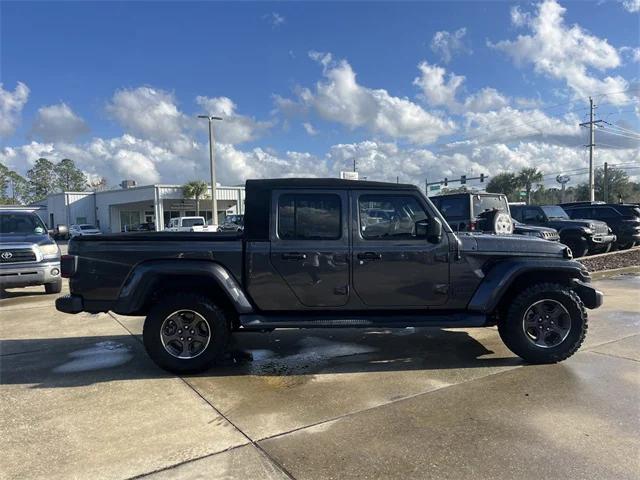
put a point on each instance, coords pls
(115, 255)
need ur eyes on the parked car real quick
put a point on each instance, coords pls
(189, 224)
(142, 227)
(307, 258)
(83, 229)
(545, 233)
(475, 211)
(232, 223)
(581, 235)
(623, 219)
(28, 255)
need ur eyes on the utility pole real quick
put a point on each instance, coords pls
(605, 187)
(212, 160)
(592, 143)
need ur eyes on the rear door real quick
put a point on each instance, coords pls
(391, 265)
(310, 245)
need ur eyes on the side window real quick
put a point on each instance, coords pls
(303, 216)
(607, 213)
(532, 215)
(516, 212)
(389, 217)
(454, 207)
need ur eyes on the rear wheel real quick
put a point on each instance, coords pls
(546, 323)
(185, 333)
(55, 287)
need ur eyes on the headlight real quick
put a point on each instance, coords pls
(587, 230)
(49, 251)
(533, 234)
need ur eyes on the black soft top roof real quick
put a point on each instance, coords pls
(274, 183)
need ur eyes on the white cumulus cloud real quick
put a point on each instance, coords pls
(448, 44)
(11, 104)
(340, 98)
(563, 52)
(234, 128)
(58, 123)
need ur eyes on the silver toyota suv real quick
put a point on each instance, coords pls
(28, 255)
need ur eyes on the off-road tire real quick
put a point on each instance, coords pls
(579, 247)
(219, 331)
(55, 287)
(514, 337)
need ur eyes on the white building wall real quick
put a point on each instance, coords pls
(68, 208)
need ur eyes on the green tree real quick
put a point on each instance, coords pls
(42, 179)
(618, 184)
(69, 177)
(196, 189)
(506, 183)
(527, 177)
(14, 189)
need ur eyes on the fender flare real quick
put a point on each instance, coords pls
(143, 277)
(502, 275)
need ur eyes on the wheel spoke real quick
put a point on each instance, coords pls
(185, 334)
(546, 323)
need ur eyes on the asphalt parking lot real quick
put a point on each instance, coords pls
(80, 399)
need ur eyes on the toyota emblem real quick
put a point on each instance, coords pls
(6, 255)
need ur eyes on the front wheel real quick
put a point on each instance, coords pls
(185, 333)
(546, 323)
(579, 247)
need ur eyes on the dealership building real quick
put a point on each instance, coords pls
(122, 209)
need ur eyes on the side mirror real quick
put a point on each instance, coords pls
(51, 232)
(429, 228)
(434, 230)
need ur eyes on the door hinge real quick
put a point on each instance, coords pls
(344, 290)
(441, 288)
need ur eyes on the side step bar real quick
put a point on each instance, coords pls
(261, 322)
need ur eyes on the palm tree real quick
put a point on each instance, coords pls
(527, 177)
(506, 183)
(196, 189)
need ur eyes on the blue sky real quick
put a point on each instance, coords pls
(302, 85)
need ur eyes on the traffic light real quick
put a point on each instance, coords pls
(463, 179)
(481, 177)
(446, 181)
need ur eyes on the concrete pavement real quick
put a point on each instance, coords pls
(79, 398)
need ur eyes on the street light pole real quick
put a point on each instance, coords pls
(212, 160)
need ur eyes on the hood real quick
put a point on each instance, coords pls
(576, 223)
(31, 238)
(521, 227)
(510, 245)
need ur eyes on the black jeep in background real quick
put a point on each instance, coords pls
(477, 211)
(331, 253)
(581, 235)
(623, 219)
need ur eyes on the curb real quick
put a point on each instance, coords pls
(601, 274)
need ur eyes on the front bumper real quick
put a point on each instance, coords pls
(599, 240)
(27, 274)
(591, 297)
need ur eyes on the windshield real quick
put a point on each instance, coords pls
(87, 227)
(21, 223)
(553, 211)
(628, 210)
(192, 222)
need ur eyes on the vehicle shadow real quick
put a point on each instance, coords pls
(76, 361)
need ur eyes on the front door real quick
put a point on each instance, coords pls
(392, 265)
(310, 245)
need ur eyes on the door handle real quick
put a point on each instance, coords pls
(369, 256)
(293, 256)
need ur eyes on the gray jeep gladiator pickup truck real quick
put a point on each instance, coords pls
(331, 253)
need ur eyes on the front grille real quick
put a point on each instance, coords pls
(550, 235)
(17, 255)
(601, 229)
